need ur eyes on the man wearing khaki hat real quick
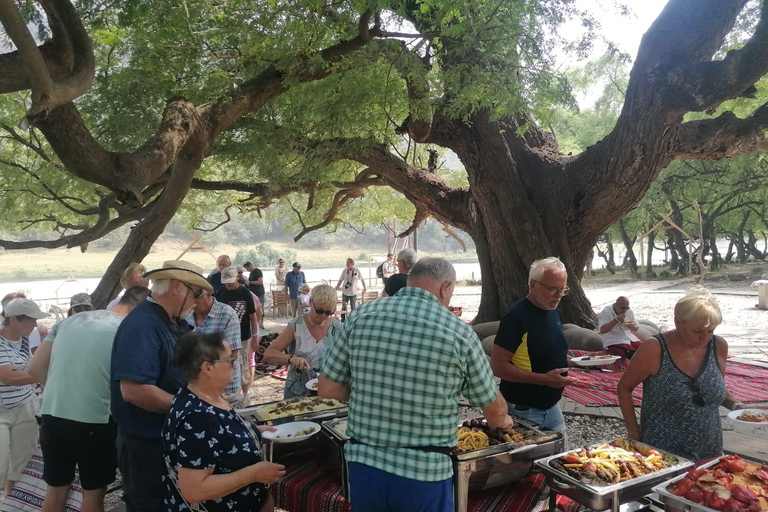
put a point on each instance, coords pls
(144, 380)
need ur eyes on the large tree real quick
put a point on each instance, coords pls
(336, 93)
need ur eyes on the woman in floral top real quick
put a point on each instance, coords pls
(214, 457)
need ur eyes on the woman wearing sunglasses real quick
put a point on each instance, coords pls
(682, 372)
(305, 341)
(213, 457)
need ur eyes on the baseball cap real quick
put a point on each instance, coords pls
(80, 299)
(296, 264)
(281, 260)
(19, 307)
(228, 275)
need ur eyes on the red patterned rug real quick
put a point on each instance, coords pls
(595, 388)
(310, 487)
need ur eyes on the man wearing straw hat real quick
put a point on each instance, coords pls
(144, 379)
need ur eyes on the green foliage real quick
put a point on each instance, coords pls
(263, 256)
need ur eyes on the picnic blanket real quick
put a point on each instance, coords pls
(596, 388)
(308, 487)
(29, 492)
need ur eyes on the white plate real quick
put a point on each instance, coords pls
(290, 429)
(735, 416)
(311, 385)
(588, 361)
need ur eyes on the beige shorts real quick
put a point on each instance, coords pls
(245, 367)
(18, 439)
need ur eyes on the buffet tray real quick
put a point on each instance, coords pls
(607, 497)
(258, 414)
(673, 503)
(538, 438)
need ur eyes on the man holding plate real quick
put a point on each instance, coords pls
(617, 326)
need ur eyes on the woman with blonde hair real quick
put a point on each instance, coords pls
(305, 340)
(682, 372)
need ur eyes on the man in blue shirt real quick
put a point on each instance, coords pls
(294, 280)
(144, 379)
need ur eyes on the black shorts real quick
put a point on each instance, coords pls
(89, 446)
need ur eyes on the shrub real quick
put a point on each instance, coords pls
(263, 255)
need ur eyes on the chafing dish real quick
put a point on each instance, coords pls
(674, 503)
(332, 438)
(501, 464)
(484, 468)
(612, 496)
(257, 413)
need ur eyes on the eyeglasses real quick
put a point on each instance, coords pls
(230, 361)
(195, 293)
(554, 290)
(697, 398)
(326, 312)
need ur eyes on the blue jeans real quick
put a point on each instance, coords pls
(551, 418)
(374, 490)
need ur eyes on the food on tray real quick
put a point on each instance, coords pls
(313, 386)
(297, 406)
(340, 427)
(609, 464)
(472, 439)
(731, 485)
(298, 433)
(476, 434)
(755, 417)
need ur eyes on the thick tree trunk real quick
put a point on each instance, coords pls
(674, 258)
(729, 252)
(607, 255)
(752, 249)
(146, 232)
(629, 242)
(649, 255)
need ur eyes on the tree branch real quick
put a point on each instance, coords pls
(723, 137)
(707, 84)
(341, 198)
(47, 92)
(420, 216)
(102, 227)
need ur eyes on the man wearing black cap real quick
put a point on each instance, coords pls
(294, 280)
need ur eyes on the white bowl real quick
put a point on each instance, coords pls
(286, 433)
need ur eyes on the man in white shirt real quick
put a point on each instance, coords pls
(350, 276)
(617, 325)
(388, 268)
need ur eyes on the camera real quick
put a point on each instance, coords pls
(347, 285)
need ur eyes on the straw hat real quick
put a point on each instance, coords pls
(183, 271)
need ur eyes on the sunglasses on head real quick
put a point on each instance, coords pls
(697, 398)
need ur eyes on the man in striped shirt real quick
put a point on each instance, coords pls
(211, 316)
(408, 375)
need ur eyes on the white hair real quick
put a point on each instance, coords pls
(407, 256)
(540, 267)
(161, 286)
(438, 270)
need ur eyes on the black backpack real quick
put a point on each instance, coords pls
(380, 271)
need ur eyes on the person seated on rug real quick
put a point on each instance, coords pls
(213, 457)
(306, 339)
(682, 372)
(617, 325)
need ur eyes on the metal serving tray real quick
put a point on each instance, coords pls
(501, 464)
(612, 496)
(254, 413)
(673, 503)
(331, 452)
